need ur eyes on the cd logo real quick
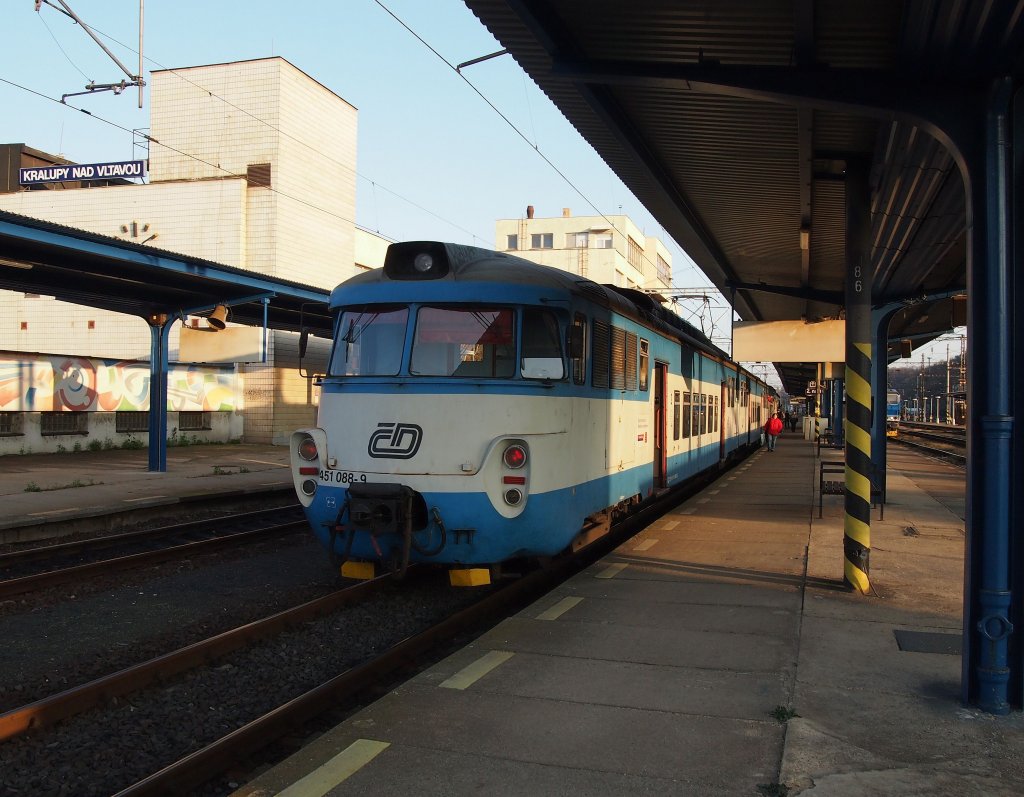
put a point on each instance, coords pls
(395, 441)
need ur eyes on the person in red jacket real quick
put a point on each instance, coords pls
(772, 429)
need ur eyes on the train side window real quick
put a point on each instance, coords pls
(703, 413)
(542, 349)
(600, 354)
(579, 364)
(645, 363)
(687, 414)
(676, 411)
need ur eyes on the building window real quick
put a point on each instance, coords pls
(544, 240)
(194, 421)
(603, 240)
(635, 255)
(512, 242)
(664, 270)
(127, 422)
(10, 423)
(64, 422)
(577, 240)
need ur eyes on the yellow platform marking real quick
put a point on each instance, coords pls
(646, 545)
(689, 511)
(713, 492)
(703, 500)
(669, 525)
(144, 498)
(559, 609)
(345, 764)
(468, 676)
(612, 570)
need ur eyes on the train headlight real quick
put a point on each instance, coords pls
(307, 449)
(308, 487)
(514, 456)
(417, 260)
(513, 496)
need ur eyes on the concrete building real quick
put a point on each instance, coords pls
(251, 164)
(605, 249)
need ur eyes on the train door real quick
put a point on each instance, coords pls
(660, 452)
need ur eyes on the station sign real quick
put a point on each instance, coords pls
(62, 173)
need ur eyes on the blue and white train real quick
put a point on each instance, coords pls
(479, 408)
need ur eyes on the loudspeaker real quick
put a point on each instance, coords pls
(218, 318)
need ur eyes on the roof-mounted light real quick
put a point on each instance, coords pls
(417, 260)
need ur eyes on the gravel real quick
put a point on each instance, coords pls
(55, 643)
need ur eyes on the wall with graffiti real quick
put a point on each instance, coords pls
(53, 383)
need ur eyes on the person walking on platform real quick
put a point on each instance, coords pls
(772, 429)
(793, 418)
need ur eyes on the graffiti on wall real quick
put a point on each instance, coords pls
(41, 383)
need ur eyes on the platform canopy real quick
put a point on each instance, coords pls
(111, 274)
(733, 122)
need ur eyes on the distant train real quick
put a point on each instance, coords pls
(892, 413)
(479, 408)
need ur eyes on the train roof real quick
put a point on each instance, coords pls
(435, 260)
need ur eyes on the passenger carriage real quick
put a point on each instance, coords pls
(479, 408)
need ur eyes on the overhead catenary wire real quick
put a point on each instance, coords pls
(281, 132)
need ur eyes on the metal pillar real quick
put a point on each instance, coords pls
(988, 596)
(837, 421)
(857, 525)
(159, 327)
(879, 389)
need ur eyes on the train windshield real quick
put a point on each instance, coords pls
(370, 341)
(470, 341)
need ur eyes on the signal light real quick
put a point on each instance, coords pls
(514, 456)
(307, 449)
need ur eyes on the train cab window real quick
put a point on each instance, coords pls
(476, 342)
(542, 348)
(369, 341)
(645, 363)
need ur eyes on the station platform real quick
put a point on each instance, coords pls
(716, 653)
(49, 495)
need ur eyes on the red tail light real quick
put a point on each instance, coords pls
(307, 449)
(515, 456)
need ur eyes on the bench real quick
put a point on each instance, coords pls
(830, 486)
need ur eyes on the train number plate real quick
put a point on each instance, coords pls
(341, 476)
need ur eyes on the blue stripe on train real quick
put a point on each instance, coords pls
(546, 526)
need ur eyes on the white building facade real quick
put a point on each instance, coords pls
(251, 164)
(606, 249)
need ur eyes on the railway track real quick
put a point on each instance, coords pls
(116, 703)
(938, 440)
(36, 568)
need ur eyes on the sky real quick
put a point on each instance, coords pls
(441, 155)
(435, 160)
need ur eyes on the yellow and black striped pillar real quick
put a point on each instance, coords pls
(857, 523)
